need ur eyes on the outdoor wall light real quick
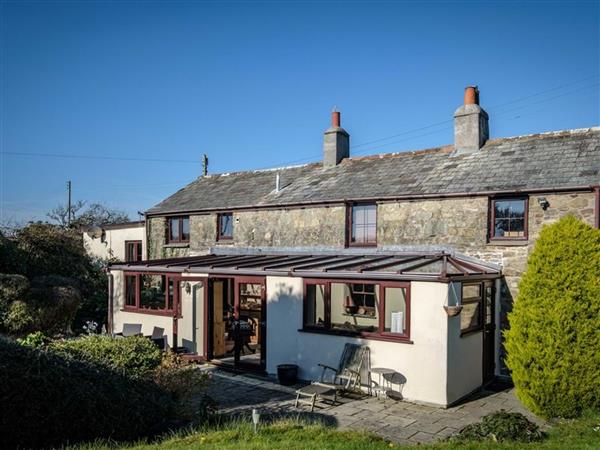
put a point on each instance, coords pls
(543, 203)
(188, 288)
(255, 419)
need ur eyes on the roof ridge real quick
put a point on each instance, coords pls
(544, 134)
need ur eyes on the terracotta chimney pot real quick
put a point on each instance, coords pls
(471, 95)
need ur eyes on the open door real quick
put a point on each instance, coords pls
(250, 323)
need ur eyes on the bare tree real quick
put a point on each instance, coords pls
(60, 214)
(94, 214)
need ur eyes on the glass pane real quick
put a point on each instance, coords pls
(174, 229)
(471, 291)
(185, 229)
(315, 305)
(395, 310)
(130, 288)
(129, 252)
(505, 209)
(354, 307)
(226, 225)
(489, 303)
(501, 227)
(139, 251)
(152, 295)
(470, 316)
(250, 313)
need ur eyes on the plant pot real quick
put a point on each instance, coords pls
(351, 309)
(287, 374)
(453, 311)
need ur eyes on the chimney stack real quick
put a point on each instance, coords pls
(471, 129)
(336, 142)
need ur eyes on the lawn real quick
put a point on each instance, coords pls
(294, 435)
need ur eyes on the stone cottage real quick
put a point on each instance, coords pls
(265, 267)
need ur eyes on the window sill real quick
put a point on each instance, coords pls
(508, 243)
(152, 312)
(369, 336)
(177, 245)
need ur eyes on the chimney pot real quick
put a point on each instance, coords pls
(471, 95)
(336, 119)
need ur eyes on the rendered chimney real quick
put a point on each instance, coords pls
(336, 142)
(471, 128)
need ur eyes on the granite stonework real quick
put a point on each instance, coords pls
(460, 224)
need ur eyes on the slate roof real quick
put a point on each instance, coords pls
(562, 159)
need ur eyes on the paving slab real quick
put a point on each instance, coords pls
(398, 421)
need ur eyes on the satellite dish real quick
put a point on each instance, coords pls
(95, 232)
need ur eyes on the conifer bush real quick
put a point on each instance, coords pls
(553, 343)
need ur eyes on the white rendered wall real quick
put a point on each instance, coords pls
(465, 355)
(114, 242)
(423, 363)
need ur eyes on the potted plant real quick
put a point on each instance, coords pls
(350, 306)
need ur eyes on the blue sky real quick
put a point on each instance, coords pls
(252, 85)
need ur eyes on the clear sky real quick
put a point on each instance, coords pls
(252, 85)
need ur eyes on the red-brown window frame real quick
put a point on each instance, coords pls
(492, 219)
(170, 240)
(349, 207)
(376, 335)
(138, 256)
(481, 301)
(138, 289)
(222, 237)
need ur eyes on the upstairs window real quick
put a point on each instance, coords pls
(362, 225)
(133, 251)
(178, 230)
(224, 226)
(508, 218)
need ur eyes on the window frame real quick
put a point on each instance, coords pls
(138, 251)
(180, 240)
(380, 334)
(350, 223)
(138, 289)
(492, 219)
(480, 301)
(224, 237)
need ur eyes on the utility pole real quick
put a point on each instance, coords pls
(204, 165)
(69, 204)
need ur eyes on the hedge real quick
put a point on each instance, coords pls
(49, 400)
(553, 343)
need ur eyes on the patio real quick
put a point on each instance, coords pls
(400, 422)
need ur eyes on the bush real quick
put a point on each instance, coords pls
(34, 340)
(500, 426)
(553, 341)
(48, 400)
(13, 287)
(186, 384)
(134, 357)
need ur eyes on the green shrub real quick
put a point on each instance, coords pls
(187, 386)
(13, 287)
(500, 426)
(20, 318)
(34, 340)
(134, 356)
(48, 400)
(554, 339)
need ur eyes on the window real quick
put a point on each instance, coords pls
(362, 225)
(224, 226)
(149, 292)
(133, 251)
(376, 310)
(178, 230)
(471, 316)
(508, 218)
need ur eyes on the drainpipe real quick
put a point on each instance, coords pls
(111, 283)
(597, 215)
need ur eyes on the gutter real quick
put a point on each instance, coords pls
(390, 198)
(597, 209)
(111, 283)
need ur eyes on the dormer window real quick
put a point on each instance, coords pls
(224, 226)
(362, 225)
(178, 230)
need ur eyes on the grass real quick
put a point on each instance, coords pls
(291, 434)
